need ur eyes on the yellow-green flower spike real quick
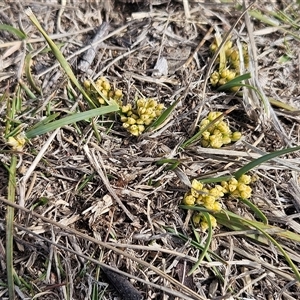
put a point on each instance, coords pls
(236, 136)
(214, 78)
(197, 185)
(189, 200)
(218, 134)
(226, 139)
(101, 90)
(203, 222)
(229, 62)
(17, 143)
(196, 218)
(124, 119)
(143, 114)
(126, 108)
(246, 179)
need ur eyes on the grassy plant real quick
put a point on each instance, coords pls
(76, 167)
(43, 128)
(11, 189)
(10, 227)
(237, 223)
(63, 62)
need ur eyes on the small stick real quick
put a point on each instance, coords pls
(188, 61)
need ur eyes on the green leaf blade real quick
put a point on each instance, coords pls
(44, 128)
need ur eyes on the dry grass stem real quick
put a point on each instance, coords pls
(90, 197)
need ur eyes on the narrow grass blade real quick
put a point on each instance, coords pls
(172, 163)
(46, 120)
(29, 93)
(263, 159)
(194, 244)
(285, 18)
(28, 74)
(236, 222)
(216, 179)
(15, 131)
(164, 117)
(63, 62)
(195, 207)
(167, 161)
(207, 256)
(86, 180)
(256, 210)
(207, 244)
(273, 22)
(271, 239)
(283, 105)
(96, 132)
(237, 81)
(20, 34)
(71, 119)
(10, 227)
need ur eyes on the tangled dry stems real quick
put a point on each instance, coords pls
(128, 201)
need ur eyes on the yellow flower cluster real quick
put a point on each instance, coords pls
(229, 67)
(209, 197)
(218, 134)
(17, 142)
(143, 114)
(238, 188)
(199, 219)
(102, 90)
(204, 196)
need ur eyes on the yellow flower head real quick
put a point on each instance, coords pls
(197, 185)
(197, 218)
(17, 143)
(208, 200)
(144, 113)
(246, 179)
(204, 224)
(189, 199)
(215, 142)
(236, 136)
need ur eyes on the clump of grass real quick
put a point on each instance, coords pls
(229, 61)
(208, 212)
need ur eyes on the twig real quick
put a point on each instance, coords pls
(185, 65)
